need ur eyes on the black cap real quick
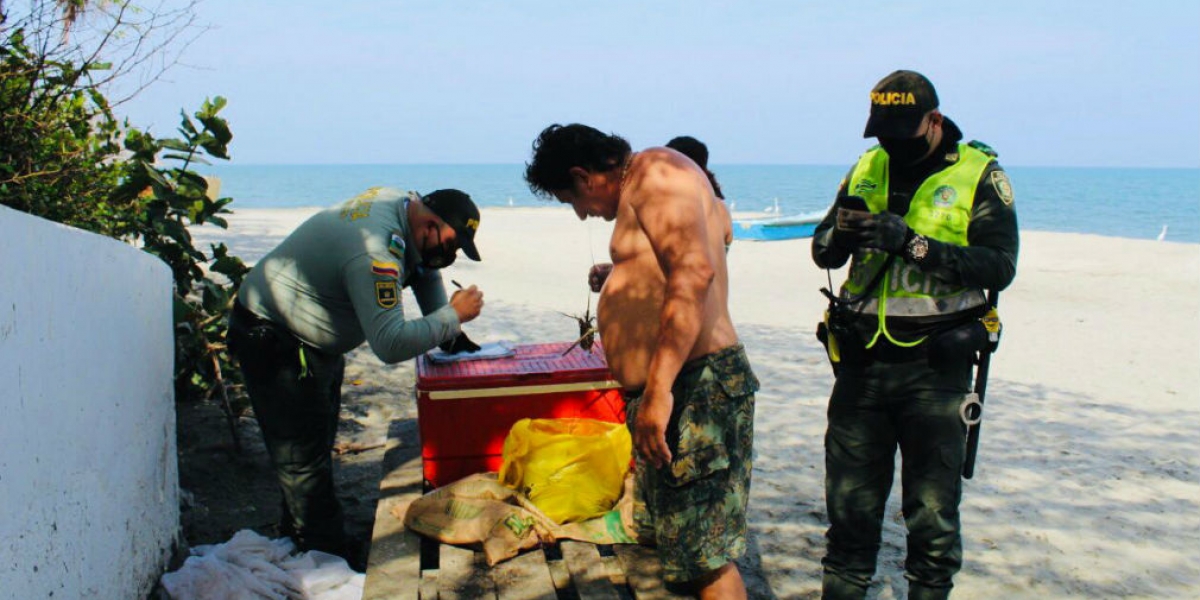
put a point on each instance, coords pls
(898, 104)
(459, 212)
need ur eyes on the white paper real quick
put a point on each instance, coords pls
(487, 351)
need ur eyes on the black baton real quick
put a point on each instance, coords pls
(973, 414)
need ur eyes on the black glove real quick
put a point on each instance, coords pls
(848, 239)
(886, 231)
(461, 343)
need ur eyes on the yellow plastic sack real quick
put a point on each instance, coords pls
(571, 469)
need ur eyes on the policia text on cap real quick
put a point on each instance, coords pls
(928, 224)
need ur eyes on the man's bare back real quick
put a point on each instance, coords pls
(668, 221)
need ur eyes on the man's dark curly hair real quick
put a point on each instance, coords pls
(560, 147)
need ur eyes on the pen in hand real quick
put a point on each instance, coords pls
(456, 284)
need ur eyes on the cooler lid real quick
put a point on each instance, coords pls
(529, 364)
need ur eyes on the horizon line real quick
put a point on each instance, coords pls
(718, 164)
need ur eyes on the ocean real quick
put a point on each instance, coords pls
(1121, 202)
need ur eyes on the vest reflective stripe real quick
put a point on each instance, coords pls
(941, 210)
(923, 307)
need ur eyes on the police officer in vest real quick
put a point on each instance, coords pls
(330, 285)
(927, 223)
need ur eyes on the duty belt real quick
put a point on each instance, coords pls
(252, 320)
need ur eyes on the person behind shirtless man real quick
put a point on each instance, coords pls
(670, 343)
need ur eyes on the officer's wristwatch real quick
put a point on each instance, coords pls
(917, 248)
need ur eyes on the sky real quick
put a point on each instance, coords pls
(1046, 83)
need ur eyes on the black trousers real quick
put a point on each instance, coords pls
(296, 394)
(874, 410)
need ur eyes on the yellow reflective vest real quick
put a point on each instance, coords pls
(940, 210)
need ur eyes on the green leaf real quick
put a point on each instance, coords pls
(192, 179)
(185, 125)
(218, 127)
(229, 265)
(156, 176)
(174, 144)
(184, 157)
(211, 108)
(182, 310)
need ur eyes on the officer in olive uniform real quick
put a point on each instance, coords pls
(928, 224)
(330, 285)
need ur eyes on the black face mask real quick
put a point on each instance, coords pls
(905, 152)
(438, 259)
(439, 256)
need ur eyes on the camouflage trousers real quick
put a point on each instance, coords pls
(696, 506)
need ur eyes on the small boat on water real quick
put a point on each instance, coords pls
(787, 227)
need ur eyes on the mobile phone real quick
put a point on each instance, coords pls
(856, 203)
(852, 212)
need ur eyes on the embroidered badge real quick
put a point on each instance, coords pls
(864, 186)
(1003, 187)
(360, 205)
(396, 246)
(386, 294)
(385, 269)
(944, 196)
(982, 147)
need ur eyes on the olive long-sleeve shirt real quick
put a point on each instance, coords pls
(336, 281)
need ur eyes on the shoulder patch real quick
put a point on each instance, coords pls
(386, 294)
(396, 246)
(1003, 187)
(385, 269)
(359, 206)
(982, 147)
(865, 186)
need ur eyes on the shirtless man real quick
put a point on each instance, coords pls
(668, 338)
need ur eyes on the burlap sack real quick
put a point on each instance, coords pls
(478, 511)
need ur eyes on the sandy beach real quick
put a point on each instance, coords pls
(1088, 478)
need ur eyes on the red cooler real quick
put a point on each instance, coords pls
(465, 409)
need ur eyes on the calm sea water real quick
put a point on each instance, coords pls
(1133, 203)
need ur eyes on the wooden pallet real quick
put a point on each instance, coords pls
(405, 565)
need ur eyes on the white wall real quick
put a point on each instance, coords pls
(89, 485)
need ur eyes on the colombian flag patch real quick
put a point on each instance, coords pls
(385, 269)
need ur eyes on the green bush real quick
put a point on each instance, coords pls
(166, 201)
(58, 139)
(64, 157)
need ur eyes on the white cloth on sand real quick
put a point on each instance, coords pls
(252, 567)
